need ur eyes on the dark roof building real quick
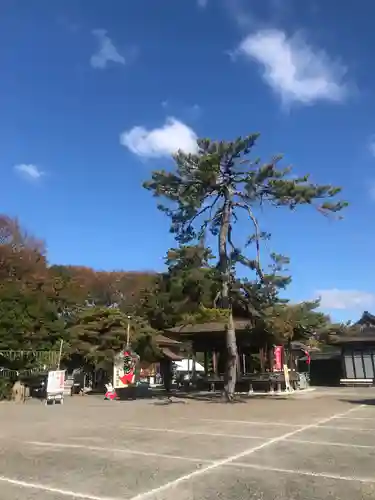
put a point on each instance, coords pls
(358, 350)
(169, 348)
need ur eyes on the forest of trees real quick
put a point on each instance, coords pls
(204, 196)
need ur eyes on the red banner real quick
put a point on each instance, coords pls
(278, 358)
(308, 360)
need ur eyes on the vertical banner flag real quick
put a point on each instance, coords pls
(278, 361)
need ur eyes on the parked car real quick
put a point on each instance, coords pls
(37, 385)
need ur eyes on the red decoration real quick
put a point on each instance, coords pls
(129, 368)
(308, 360)
(278, 358)
(127, 379)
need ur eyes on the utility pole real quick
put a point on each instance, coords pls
(60, 353)
(128, 333)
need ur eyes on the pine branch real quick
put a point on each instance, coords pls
(253, 219)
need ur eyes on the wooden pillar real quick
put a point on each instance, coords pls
(271, 358)
(205, 362)
(261, 358)
(214, 362)
(289, 362)
(238, 363)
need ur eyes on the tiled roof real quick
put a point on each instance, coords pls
(239, 324)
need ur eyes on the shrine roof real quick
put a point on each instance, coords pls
(212, 327)
(162, 340)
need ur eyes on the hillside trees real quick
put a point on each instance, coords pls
(41, 304)
(108, 288)
(208, 191)
(29, 313)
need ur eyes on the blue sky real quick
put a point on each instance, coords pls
(95, 95)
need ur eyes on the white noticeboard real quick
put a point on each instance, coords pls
(55, 382)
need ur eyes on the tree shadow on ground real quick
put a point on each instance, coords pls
(168, 401)
(366, 402)
(218, 398)
(160, 397)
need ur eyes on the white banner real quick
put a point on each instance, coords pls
(55, 382)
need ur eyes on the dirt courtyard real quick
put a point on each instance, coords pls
(314, 446)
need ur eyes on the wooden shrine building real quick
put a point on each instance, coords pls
(357, 351)
(209, 339)
(255, 350)
(169, 348)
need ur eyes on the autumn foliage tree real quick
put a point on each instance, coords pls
(22, 257)
(29, 314)
(106, 288)
(42, 304)
(208, 190)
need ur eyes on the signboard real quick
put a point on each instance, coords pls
(124, 369)
(55, 382)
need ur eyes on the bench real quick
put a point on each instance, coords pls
(266, 382)
(355, 382)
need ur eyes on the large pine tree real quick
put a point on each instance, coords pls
(208, 190)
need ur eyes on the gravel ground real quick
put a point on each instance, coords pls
(314, 446)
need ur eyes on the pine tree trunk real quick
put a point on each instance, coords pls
(224, 264)
(231, 375)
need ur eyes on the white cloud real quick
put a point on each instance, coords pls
(346, 299)
(202, 3)
(196, 109)
(242, 15)
(293, 69)
(159, 142)
(251, 15)
(371, 145)
(29, 171)
(107, 51)
(371, 190)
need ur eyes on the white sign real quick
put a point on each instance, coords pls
(55, 382)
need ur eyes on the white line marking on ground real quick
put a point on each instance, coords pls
(358, 418)
(352, 429)
(179, 457)
(302, 472)
(168, 456)
(327, 443)
(245, 422)
(51, 489)
(188, 433)
(117, 450)
(233, 458)
(88, 438)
